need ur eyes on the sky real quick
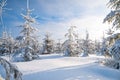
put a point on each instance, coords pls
(56, 17)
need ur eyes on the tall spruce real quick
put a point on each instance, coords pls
(29, 43)
(114, 18)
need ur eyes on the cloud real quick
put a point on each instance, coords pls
(93, 24)
(56, 16)
(71, 8)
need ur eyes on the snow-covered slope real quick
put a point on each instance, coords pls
(57, 67)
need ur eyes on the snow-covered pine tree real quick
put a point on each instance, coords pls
(4, 44)
(11, 71)
(104, 47)
(7, 47)
(29, 42)
(58, 47)
(4, 41)
(70, 45)
(107, 42)
(79, 45)
(114, 18)
(86, 45)
(97, 47)
(48, 44)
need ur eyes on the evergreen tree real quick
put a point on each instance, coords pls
(4, 46)
(86, 45)
(48, 44)
(29, 43)
(58, 47)
(70, 43)
(7, 45)
(114, 18)
(97, 47)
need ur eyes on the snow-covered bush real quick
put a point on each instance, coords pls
(11, 71)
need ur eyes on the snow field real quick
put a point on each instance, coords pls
(57, 67)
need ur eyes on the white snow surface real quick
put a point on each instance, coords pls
(58, 67)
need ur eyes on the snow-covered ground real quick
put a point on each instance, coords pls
(57, 67)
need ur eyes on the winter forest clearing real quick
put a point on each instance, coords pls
(40, 47)
(58, 67)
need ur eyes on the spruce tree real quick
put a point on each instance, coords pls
(70, 43)
(114, 18)
(29, 42)
(48, 44)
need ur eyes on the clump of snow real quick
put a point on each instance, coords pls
(83, 54)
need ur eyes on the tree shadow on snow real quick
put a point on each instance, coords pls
(51, 56)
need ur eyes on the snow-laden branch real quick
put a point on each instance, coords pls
(10, 69)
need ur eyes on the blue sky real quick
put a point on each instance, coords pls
(55, 16)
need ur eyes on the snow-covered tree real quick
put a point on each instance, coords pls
(11, 71)
(7, 41)
(70, 44)
(48, 44)
(113, 50)
(114, 39)
(114, 16)
(4, 44)
(29, 43)
(58, 47)
(106, 43)
(104, 47)
(86, 45)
